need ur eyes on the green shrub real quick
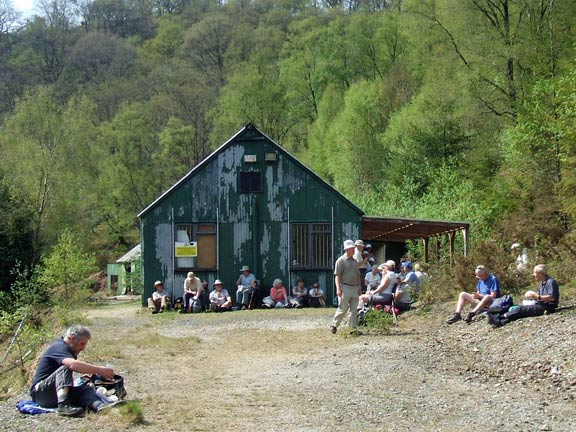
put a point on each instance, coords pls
(132, 413)
(378, 321)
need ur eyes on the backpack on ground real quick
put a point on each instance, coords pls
(501, 304)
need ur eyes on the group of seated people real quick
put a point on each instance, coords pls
(535, 303)
(198, 297)
(385, 287)
(301, 296)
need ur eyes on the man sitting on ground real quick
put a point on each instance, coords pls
(53, 382)
(408, 278)
(487, 289)
(545, 299)
(220, 300)
(159, 300)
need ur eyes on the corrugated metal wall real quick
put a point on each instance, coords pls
(253, 229)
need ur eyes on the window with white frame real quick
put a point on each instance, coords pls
(311, 245)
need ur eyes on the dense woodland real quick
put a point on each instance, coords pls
(440, 109)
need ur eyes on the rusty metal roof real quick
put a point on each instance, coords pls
(402, 229)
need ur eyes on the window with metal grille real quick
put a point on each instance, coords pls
(204, 235)
(250, 182)
(311, 245)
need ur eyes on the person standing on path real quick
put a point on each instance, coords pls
(347, 280)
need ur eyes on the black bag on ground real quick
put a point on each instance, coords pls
(117, 385)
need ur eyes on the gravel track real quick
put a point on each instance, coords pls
(283, 370)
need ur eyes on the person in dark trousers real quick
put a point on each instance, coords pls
(53, 382)
(545, 300)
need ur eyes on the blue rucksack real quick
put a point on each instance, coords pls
(502, 303)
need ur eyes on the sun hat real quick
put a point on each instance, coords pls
(245, 268)
(368, 245)
(217, 282)
(158, 283)
(390, 263)
(359, 243)
(348, 244)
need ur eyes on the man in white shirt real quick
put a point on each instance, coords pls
(159, 300)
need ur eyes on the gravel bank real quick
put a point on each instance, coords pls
(293, 375)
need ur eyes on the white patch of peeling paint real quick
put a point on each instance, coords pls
(163, 247)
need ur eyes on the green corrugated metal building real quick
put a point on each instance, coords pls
(123, 276)
(249, 203)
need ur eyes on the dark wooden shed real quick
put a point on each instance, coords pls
(248, 203)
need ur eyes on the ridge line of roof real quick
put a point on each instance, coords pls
(220, 148)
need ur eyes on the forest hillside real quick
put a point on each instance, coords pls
(438, 109)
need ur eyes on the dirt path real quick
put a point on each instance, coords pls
(282, 370)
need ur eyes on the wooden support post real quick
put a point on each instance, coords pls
(466, 235)
(451, 237)
(426, 241)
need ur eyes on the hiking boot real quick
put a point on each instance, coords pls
(494, 320)
(67, 410)
(469, 317)
(454, 318)
(108, 405)
(333, 329)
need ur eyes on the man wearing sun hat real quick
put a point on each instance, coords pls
(159, 300)
(347, 280)
(246, 285)
(220, 299)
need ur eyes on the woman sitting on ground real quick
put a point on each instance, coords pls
(278, 297)
(316, 296)
(299, 294)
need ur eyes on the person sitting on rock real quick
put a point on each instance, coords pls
(487, 289)
(383, 294)
(545, 300)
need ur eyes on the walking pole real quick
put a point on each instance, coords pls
(394, 317)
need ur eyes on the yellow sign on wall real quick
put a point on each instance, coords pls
(186, 251)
